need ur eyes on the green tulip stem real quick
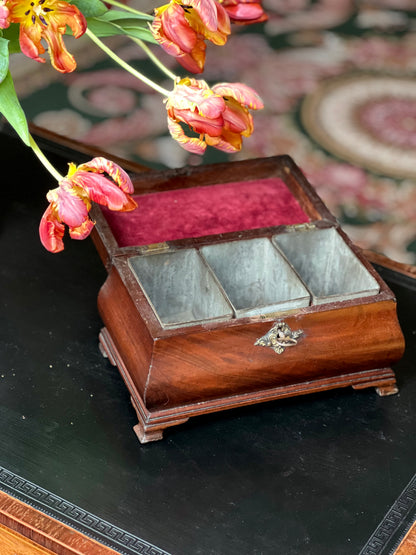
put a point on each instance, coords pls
(51, 169)
(126, 8)
(125, 65)
(154, 58)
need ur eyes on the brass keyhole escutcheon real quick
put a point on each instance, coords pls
(279, 337)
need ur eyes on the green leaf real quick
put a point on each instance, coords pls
(133, 28)
(116, 15)
(11, 109)
(141, 33)
(127, 26)
(90, 8)
(4, 58)
(12, 35)
(103, 28)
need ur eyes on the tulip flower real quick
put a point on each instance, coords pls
(181, 30)
(218, 115)
(71, 201)
(45, 19)
(244, 12)
(4, 15)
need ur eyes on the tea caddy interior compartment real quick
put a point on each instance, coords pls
(328, 267)
(207, 323)
(255, 277)
(180, 288)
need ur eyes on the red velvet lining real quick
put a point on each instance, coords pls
(209, 210)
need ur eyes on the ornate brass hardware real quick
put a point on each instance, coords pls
(154, 248)
(279, 337)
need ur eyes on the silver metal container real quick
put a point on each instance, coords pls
(256, 278)
(181, 288)
(326, 265)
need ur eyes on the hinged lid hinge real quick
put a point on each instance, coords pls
(301, 227)
(153, 248)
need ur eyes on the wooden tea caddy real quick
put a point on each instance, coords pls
(203, 312)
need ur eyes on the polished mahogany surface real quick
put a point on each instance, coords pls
(309, 475)
(27, 531)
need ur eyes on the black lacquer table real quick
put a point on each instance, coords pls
(308, 475)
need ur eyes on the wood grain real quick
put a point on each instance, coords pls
(12, 543)
(192, 364)
(408, 544)
(26, 531)
(399, 267)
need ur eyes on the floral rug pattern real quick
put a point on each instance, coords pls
(338, 79)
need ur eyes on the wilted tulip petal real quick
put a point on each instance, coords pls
(51, 231)
(241, 93)
(237, 118)
(207, 12)
(181, 29)
(191, 144)
(117, 173)
(102, 191)
(228, 142)
(71, 207)
(244, 12)
(82, 231)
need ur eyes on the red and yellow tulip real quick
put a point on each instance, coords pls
(219, 115)
(70, 202)
(182, 28)
(244, 12)
(48, 20)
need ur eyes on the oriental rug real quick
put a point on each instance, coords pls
(338, 81)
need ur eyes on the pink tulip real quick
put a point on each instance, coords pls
(4, 15)
(70, 202)
(244, 12)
